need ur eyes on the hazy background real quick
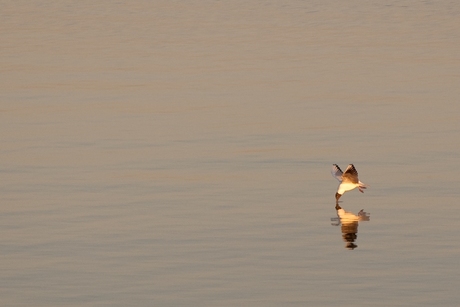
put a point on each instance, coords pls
(178, 153)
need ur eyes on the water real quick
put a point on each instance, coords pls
(162, 153)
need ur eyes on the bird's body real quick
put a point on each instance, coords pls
(348, 180)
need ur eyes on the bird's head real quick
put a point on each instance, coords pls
(337, 196)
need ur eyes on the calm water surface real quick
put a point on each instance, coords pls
(161, 153)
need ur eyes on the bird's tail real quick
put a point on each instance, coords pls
(362, 186)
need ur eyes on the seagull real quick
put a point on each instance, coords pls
(348, 180)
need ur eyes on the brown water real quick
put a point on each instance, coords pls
(169, 153)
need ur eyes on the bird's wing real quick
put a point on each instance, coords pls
(350, 175)
(336, 172)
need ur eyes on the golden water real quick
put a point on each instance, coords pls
(168, 153)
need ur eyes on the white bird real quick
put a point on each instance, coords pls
(348, 180)
(347, 217)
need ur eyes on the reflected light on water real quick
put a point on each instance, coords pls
(349, 222)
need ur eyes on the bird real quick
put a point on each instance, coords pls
(348, 180)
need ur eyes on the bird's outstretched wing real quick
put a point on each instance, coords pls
(351, 174)
(336, 172)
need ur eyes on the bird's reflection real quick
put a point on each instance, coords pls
(349, 222)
